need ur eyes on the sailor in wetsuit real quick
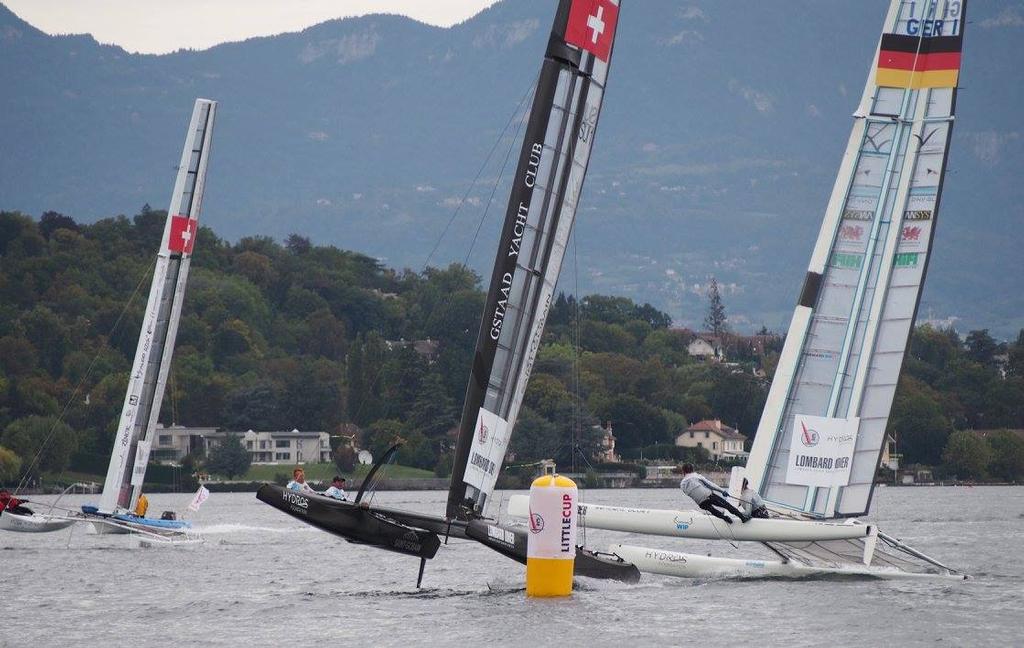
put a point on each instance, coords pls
(753, 505)
(706, 494)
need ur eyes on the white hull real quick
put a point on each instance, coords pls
(35, 523)
(105, 528)
(699, 525)
(684, 565)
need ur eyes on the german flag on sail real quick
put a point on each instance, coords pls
(914, 62)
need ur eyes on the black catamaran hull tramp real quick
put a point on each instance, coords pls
(352, 522)
(130, 455)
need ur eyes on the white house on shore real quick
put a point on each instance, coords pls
(171, 444)
(720, 440)
(293, 447)
(706, 347)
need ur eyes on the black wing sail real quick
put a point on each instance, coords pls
(538, 223)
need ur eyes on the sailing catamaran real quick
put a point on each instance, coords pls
(821, 435)
(538, 221)
(130, 455)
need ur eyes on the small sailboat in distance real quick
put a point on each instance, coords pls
(822, 431)
(118, 510)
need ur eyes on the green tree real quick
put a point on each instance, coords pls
(10, 466)
(716, 320)
(918, 424)
(981, 347)
(229, 458)
(433, 412)
(45, 437)
(636, 422)
(966, 455)
(1007, 455)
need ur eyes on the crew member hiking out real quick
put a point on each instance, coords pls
(753, 505)
(706, 495)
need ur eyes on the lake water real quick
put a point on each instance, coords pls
(263, 578)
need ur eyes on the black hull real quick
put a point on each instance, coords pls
(352, 522)
(511, 543)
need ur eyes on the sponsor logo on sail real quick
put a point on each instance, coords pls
(917, 215)
(907, 259)
(911, 233)
(858, 214)
(847, 261)
(809, 437)
(482, 462)
(851, 232)
(482, 433)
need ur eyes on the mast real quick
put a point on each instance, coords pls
(145, 392)
(538, 221)
(849, 334)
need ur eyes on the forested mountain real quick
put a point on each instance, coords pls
(720, 139)
(313, 337)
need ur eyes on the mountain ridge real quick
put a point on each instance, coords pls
(720, 139)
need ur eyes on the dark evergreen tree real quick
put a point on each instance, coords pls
(229, 458)
(715, 320)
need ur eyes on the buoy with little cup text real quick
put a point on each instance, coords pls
(551, 544)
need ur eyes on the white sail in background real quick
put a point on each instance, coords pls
(160, 324)
(538, 223)
(837, 374)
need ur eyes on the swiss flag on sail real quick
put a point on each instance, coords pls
(183, 234)
(591, 26)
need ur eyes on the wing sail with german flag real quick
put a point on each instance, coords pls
(850, 329)
(906, 61)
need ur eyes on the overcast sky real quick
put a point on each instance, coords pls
(159, 26)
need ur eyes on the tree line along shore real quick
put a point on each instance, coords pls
(278, 336)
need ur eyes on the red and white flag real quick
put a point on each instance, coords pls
(183, 234)
(591, 26)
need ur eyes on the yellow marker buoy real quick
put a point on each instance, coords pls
(551, 544)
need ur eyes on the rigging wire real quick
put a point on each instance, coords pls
(501, 173)
(88, 372)
(527, 95)
(501, 135)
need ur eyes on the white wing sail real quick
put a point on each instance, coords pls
(850, 330)
(142, 401)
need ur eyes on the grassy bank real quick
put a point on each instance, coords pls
(325, 471)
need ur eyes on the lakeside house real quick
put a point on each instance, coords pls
(706, 347)
(172, 444)
(720, 440)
